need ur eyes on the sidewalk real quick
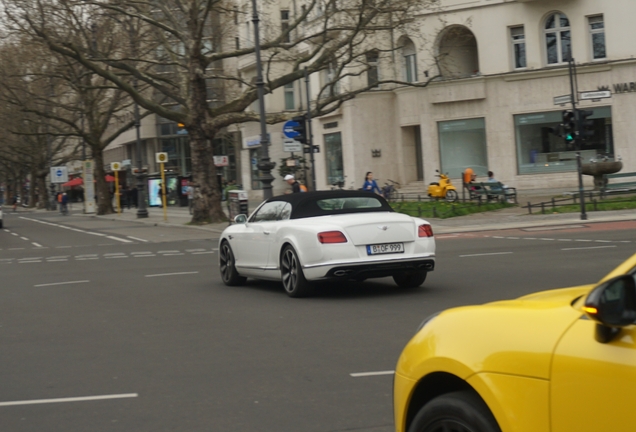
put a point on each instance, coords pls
(509, 218)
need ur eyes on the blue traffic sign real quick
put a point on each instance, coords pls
(288, 129)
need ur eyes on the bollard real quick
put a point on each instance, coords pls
(553, 206)
(542, 207)
(529, 208)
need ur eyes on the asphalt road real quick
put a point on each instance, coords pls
(134, 322)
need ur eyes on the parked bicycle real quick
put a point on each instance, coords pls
(389, 191)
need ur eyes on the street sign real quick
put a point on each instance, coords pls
(115, 166)
(161, 157)
(288, 129)
(59, 174)
(221, 161)
(595, 95)
(292, 146)
(562, 100)
(316, 149)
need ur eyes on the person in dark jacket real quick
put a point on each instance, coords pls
(291, 180)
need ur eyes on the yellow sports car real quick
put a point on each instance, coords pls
(555, 361)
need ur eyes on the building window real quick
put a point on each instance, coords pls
(410, 61)
(518, 46)
(331, 85)
(462, 144)
(540, 151)
(290, 101)
(558, 39)
(333, 153)
(597, 32)
(284, 25)
(373, 76)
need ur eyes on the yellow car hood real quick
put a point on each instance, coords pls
(509, 337)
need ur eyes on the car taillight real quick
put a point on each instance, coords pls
(425, 231)
(331, 237)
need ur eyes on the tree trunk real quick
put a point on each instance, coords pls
(102, 191)
(43, 193)
(207, 196)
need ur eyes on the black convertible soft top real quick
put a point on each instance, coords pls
(305, 204)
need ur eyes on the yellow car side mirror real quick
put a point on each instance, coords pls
(612, 305)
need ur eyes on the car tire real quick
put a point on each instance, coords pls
(229, 274)
(410, 279)
(292, 275)
(451, 195)
(461, 411)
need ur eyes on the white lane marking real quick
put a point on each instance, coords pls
(57, 260)
(95, 234)
(589, 247)
(63, 247)
(24, 238)
(6, 230)
(141, 253)
(195, 250)
(59, 257)
(172, 274)
(170, 251)
(29, 259)
(547, 239)
(565, 240)
(485, 254)
(365, 374)
(36, 244)
(173, 254)
(118, 256)
(119, 239)
(529, 238)
(580, 240)
(513, 238)
(14, 234)
(143, 256)
(6, 259)
(70, 399)
(29, 262)
(603, 241)
(61, 283)
(114, 254)
(86, 256)
(15, 249)
(139, 239)
(85, 259)
(202, 253)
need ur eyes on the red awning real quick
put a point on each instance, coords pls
(75, 182)
(110, 178)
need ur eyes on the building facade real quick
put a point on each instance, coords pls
(494, 69)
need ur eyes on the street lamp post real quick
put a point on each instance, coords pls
(265, 165)
(49, 149)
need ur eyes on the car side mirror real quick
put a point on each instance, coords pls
(612, 305)
(240, 219)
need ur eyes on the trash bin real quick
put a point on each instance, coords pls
(237, 203)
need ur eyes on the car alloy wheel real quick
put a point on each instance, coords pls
(229, 275)
(461, 411)
(292, 274)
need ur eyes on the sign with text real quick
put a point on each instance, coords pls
(292, 146)
(595, 95)
(221, 161)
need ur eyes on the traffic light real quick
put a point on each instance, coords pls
(301, 129)
(586, 127)
(569, 126)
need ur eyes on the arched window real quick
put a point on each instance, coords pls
(558, 39)
(458, 56)
(410, 61)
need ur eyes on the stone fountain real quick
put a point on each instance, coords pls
(598, 167)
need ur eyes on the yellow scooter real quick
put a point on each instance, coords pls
(443, 189)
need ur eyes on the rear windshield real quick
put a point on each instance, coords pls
(333, 204)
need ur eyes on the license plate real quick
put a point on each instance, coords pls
(385, 248)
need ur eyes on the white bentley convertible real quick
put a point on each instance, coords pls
(344, 235)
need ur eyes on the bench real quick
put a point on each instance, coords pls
(492, 191)
(621, 185)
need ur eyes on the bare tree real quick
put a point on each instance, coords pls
(188, 54)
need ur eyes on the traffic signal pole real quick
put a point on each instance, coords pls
(577, 136)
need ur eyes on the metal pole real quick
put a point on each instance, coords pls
(265, 165)
(142, 211)
(310, 135)
(577, 138)
(49, 145)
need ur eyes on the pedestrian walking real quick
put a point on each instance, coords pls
(291, 180)
(369, 184)
(64, 204)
